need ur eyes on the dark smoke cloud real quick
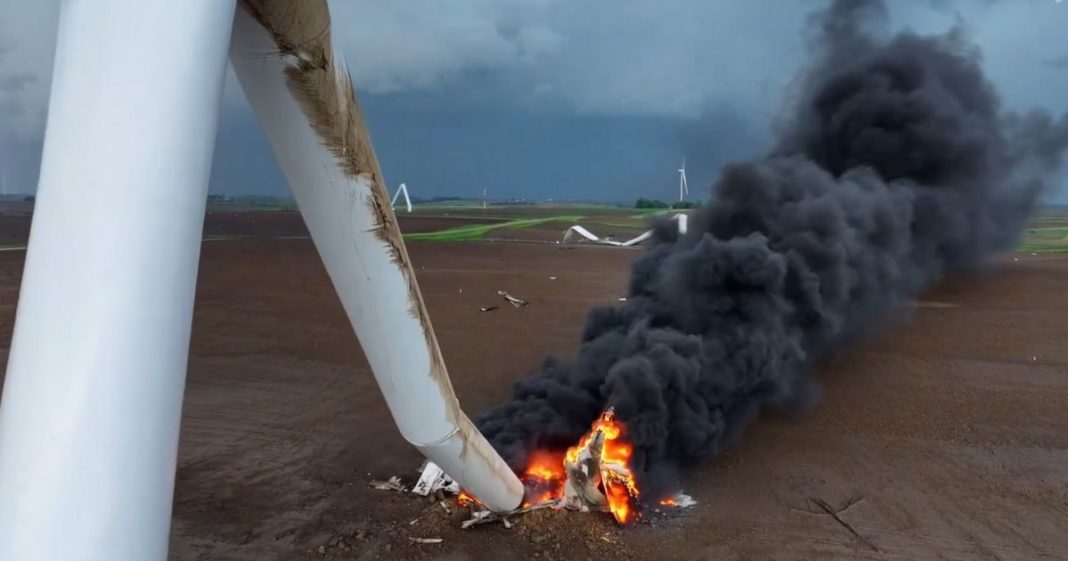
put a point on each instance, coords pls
(897, 165)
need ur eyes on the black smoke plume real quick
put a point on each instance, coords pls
(897, 165)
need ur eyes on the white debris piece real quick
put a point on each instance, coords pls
(392, 484)
(434, 479)
(426, 540)
(682, 500)
(480, 515)
(517, 302)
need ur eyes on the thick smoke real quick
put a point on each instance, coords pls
(897, 166)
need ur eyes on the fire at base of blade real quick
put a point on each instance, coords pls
(593, 475)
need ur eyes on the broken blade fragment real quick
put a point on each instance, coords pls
(518, 303)
(434, 479)
(581, 489)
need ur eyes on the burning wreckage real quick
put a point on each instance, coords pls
(593, 475)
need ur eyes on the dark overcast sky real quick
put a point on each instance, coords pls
(562, 99)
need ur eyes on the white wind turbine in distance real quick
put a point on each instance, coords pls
(683, 188)
(402, 190)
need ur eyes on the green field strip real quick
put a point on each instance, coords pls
(478, 231)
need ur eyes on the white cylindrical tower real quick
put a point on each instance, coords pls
(93, 394)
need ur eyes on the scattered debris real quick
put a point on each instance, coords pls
(552, 278)
(582, 489)
(433, 479)
(488, 308)
(480, 515)
(426, 540)
(392, 484)
(622, 299)
(518, 303)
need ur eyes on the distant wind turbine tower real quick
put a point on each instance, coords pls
(683, 188)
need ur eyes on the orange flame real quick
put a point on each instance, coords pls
(617, 479)
(466, 499)
(544, 478)
(545, 474)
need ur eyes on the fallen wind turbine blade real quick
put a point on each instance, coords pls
(301, 93)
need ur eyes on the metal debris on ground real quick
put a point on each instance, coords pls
(552, 278)
(426, 540)
(622, 299)
(392, 484)
(581, 492)
(433, 479)
(480, 515)
(488, 308)
(518, 303)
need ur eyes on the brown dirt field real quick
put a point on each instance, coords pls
(286, 223)
(942, 437)
(412, 223)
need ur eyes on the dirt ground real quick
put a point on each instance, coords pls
(941, 437)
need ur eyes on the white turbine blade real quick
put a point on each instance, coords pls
(396, 194)
(641, 238)
(407, 200)
(311, 119)
(582, 232)
(682, 219)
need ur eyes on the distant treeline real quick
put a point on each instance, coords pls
(656, 203)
